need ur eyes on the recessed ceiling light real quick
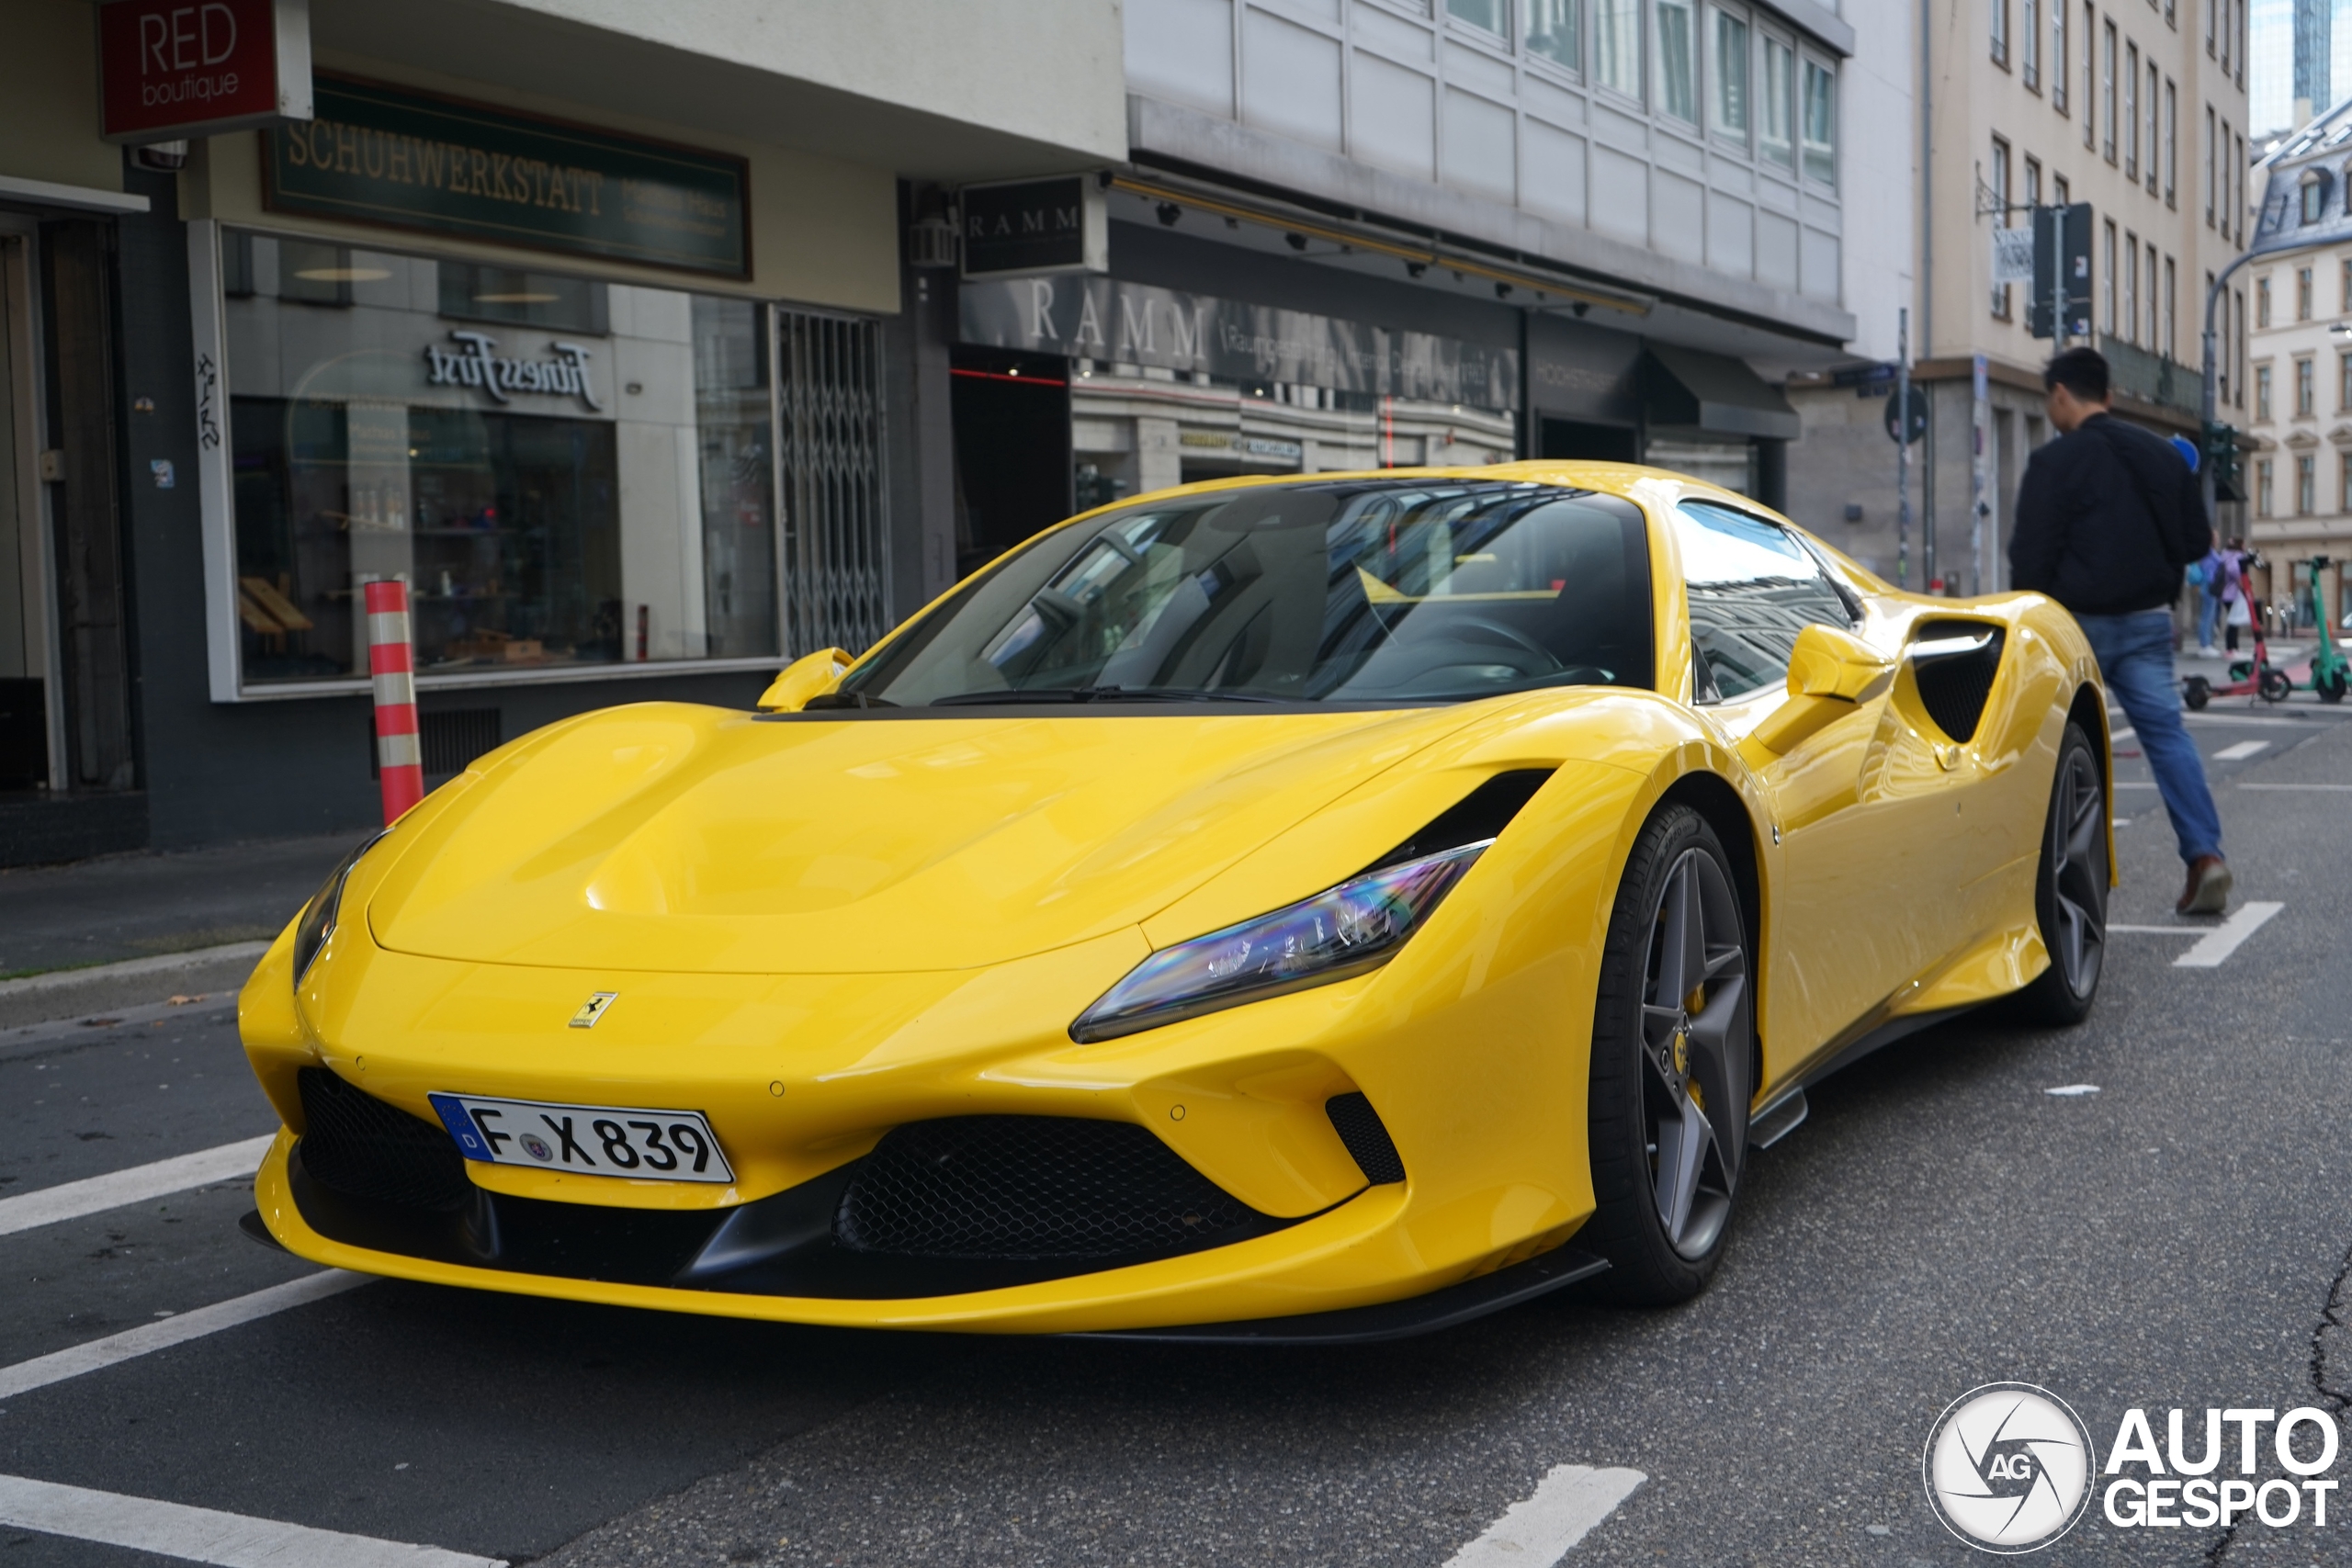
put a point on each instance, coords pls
(343, 274)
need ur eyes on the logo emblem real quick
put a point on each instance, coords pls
(592, 1008)
(537, 1147)
(2009, 1467)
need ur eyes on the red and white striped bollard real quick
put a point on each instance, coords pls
(392, 661)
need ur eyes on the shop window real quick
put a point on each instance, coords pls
(566, 472)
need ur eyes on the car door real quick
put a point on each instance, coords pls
(1853, 916)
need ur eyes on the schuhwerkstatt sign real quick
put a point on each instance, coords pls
(379, 154)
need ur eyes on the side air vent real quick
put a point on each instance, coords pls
(1032, 1186)
(1482, 813)
(355, 1145)
(1954, 663)
(1360, 1127)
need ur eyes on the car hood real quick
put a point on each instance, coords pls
(685, 839)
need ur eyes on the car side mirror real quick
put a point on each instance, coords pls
(1831, 673)
(811, 675)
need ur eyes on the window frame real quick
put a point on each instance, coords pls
(1811, 64)
(1715, 77)
(1707, 693)
(1633, 94)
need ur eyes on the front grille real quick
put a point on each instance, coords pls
(1360, 1127)
(1030, 1187)
(355, 1145)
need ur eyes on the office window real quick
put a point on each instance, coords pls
(2130, 111)
(2090, 75)
(2262, 393)
(2001, 31)
(2210, 6)
(2306, 485)
(2344, 483)
(2261, 303)
(1778, 134)
(2172, 143)
(2107, 45)
(1678, 59)
(1617, 45)
(2148, 104)
(2345, 286)
(2172, 310)
(2130, 286)
(1556, 31)
(1820, 123)
(2033, 182)
(1488, 14)
(2237, 304)
(2000, 181)
(2059, 191)
(2304, 396)
(2262, 487)
(2209, 166)
(2155, 304)
(1727, 58)
(2030, 42)
(2058, 18)
(2314, 201)
(2344, 389)
(2302, 294)
(2107, 281)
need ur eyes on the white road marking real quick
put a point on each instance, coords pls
(2280, 786)
(2227, 937)
(205, 1535)
(2125, 735)
(2242, 750)
(73, 1199)
(2135, 783)
(2162, 931)
(159, 964)
(2308, 726)
(177, 1329)
(2072, 1091)
(1537, 1533)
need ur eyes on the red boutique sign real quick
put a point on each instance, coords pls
(169, 68)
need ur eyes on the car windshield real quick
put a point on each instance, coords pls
(1366, 591)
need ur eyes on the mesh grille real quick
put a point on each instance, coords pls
(1954, 691)
(355, 1145)
(1360, 1127)
(1030, 1186)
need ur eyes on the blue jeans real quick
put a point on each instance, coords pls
(2134, 655)
(2209, 618)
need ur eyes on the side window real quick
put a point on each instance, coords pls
(1753, 587)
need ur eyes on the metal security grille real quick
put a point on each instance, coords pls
(829, 461)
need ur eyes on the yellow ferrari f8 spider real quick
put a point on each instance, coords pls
(1322, 908)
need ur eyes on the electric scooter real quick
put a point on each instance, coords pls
(2255, 677)
(2331, 672)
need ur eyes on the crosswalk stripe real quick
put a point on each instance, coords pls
(1538, 1532)
(96, 1195)
(205, 1535)
(2228, 937)
(2241, 752)
(148, 1337)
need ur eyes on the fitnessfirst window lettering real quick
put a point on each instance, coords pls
(477, 363)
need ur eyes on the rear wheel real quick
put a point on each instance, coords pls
(2196, 691)
(2276, 685)
(2070, 894)
(2330, 686)
(1673, 1064)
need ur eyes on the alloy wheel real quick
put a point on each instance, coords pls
(1698, 1044)
(2078, 873)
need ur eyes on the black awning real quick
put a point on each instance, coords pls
(1714, 393)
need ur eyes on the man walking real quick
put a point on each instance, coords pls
(2108, 517)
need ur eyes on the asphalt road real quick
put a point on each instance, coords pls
(1940, 1222)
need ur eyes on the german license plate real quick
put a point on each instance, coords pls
(596, 1140)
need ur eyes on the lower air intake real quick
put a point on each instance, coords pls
(1032, 1187)
(1360, 1127)
(355, 1145)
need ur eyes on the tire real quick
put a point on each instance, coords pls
(2276, 685)
(2070, 889)
(2330, 687)
(1663, 1173)
(2196, 691)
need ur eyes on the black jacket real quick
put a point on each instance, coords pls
(2107, 519)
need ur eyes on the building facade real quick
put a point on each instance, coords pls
(2139, 110)
(593, 330)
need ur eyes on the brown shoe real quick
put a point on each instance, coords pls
(2207, 892)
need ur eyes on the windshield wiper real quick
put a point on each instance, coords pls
(1095, 694)
(846, 700)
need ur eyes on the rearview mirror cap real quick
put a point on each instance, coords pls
(810, 675)
(1831, 673)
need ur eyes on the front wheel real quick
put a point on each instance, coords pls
(2070, 893)
(1673, 1064)
(2196, 691)
(2330, 686)
(2276, 685)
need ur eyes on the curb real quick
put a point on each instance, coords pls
(130, 968)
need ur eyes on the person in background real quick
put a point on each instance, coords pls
(2237, 607)
(2108, 520)
(2206, 573)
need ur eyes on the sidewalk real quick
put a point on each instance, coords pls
(211, 907)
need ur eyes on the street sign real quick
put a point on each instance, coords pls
(2012, 256)
(1918, 421)
(1873, 375)
(2061, 235)
(1035, 226)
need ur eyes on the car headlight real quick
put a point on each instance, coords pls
(319, 916)
(1357, 926)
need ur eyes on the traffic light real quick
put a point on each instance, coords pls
(2221, 457)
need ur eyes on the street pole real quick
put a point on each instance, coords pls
(1903, 448)
(2210, 397)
